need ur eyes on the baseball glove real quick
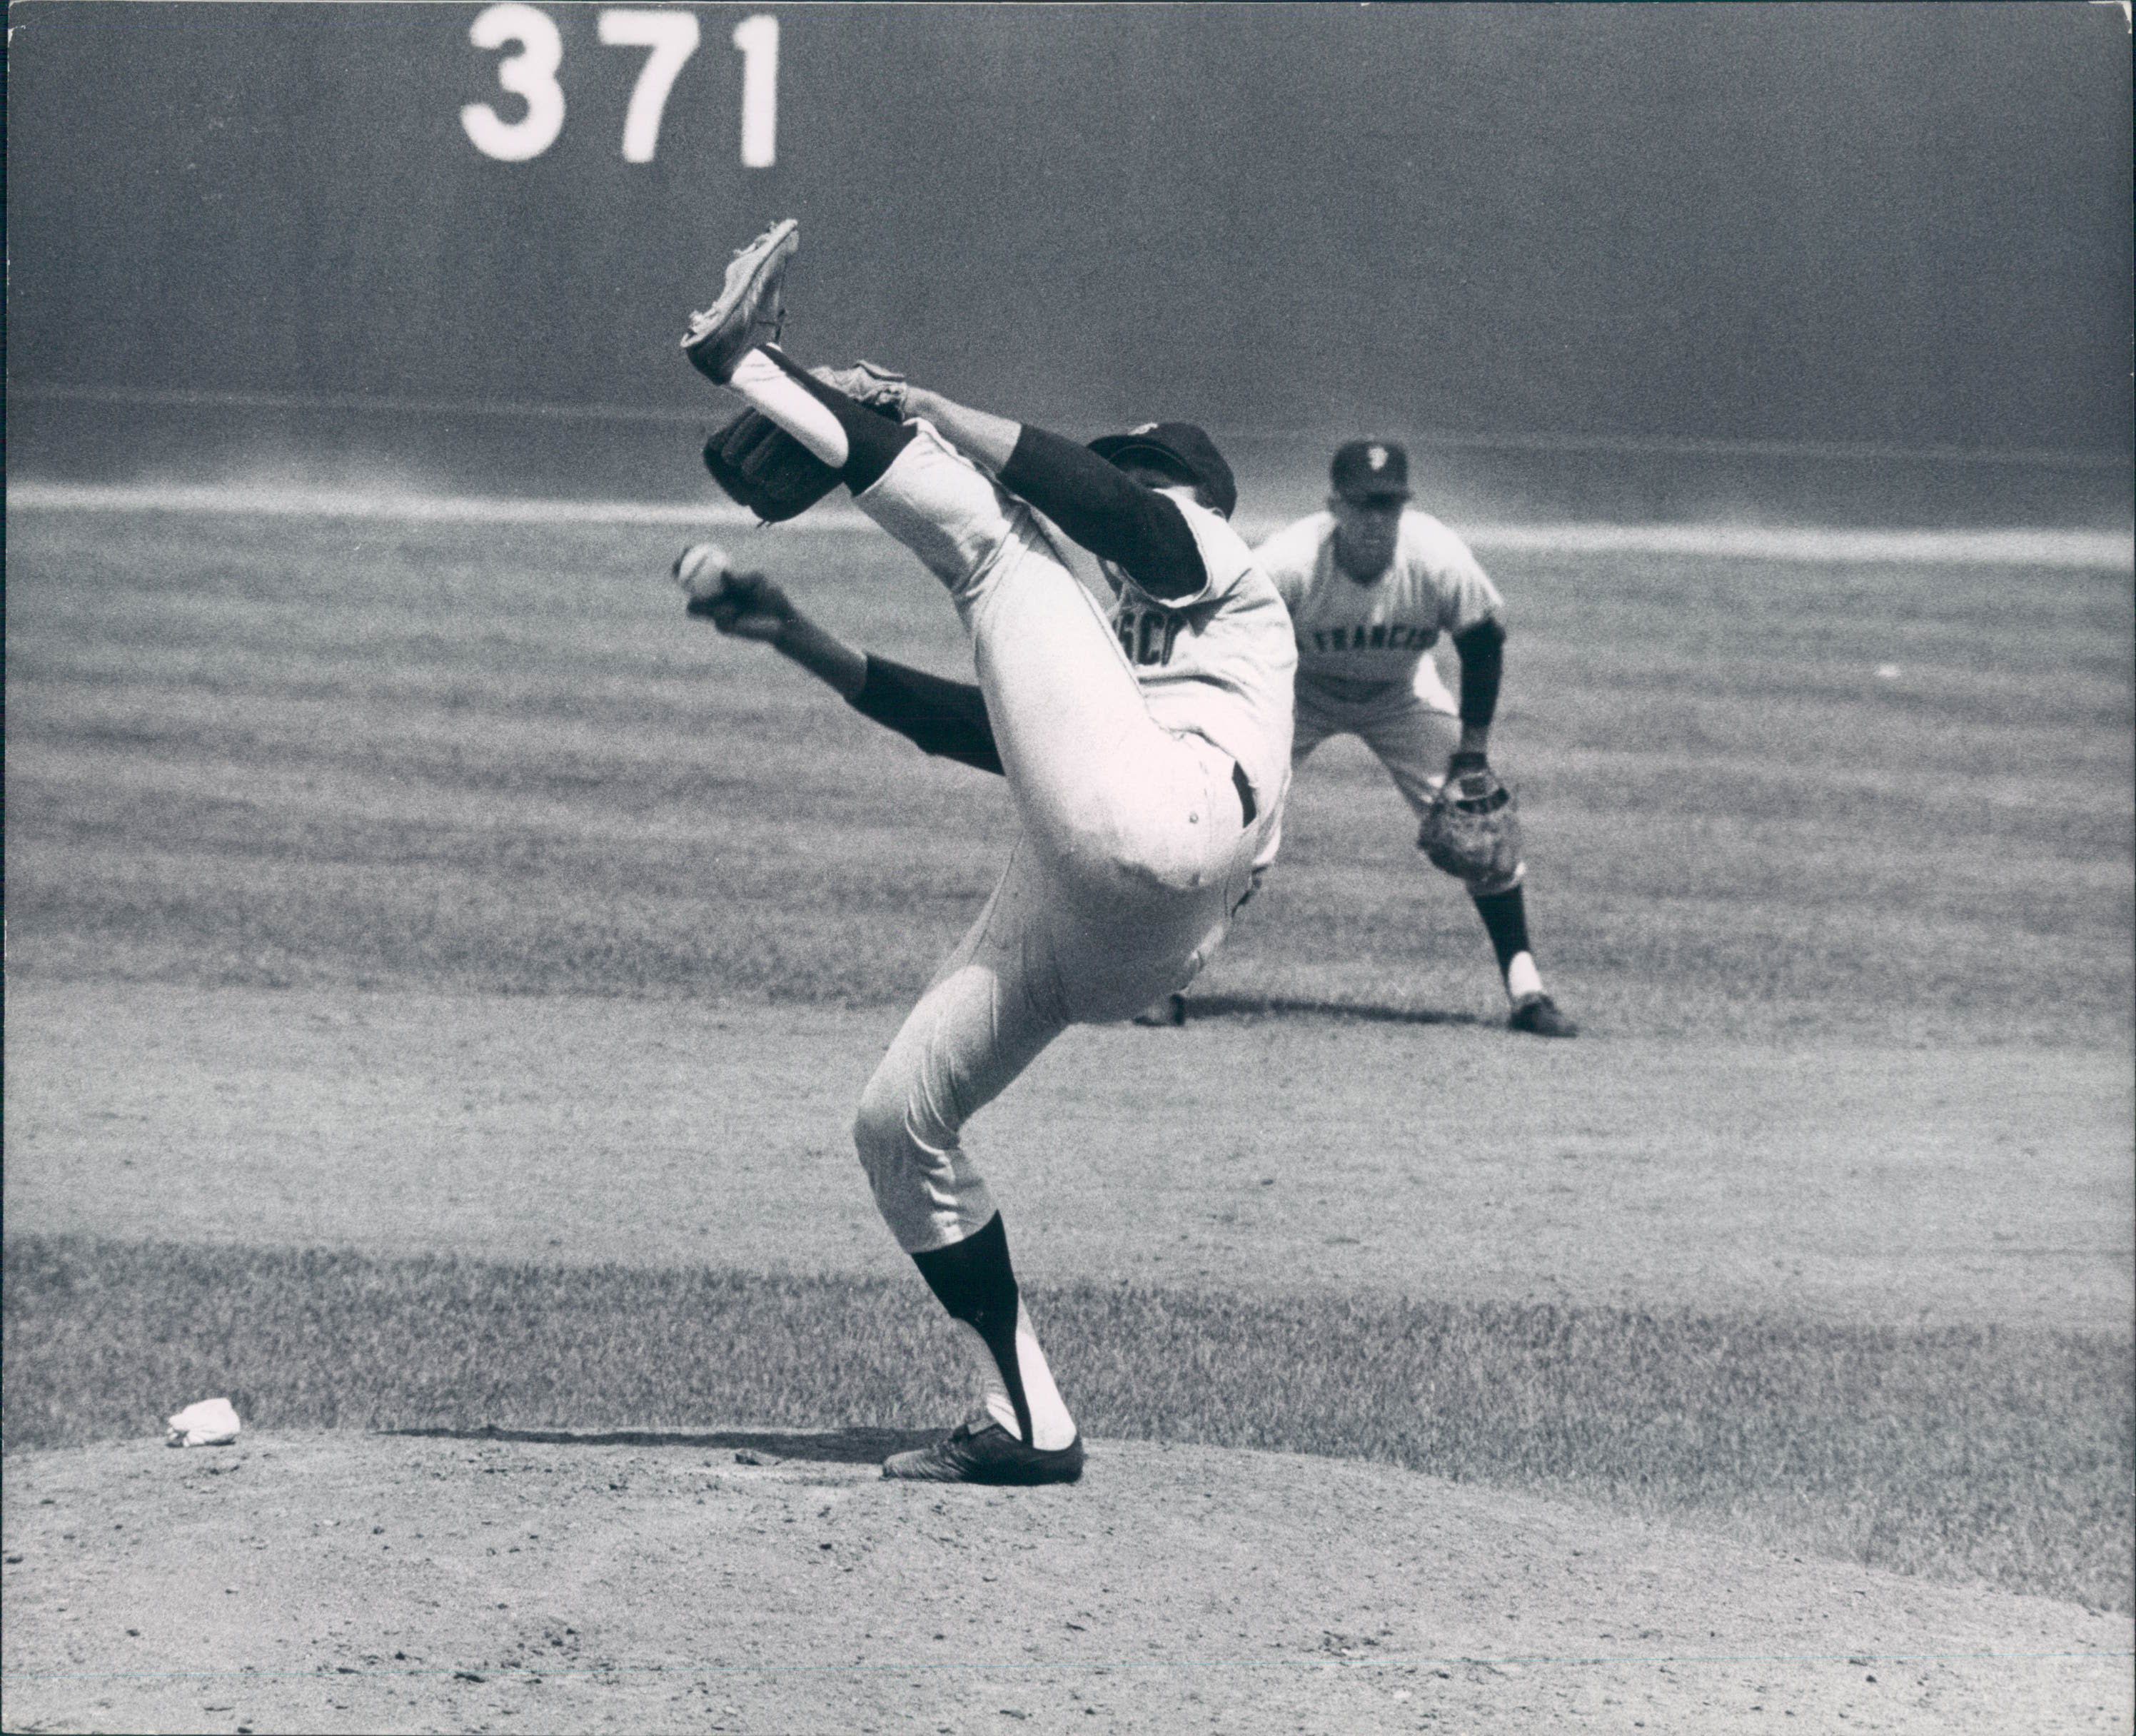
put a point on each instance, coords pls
(1473, 829)
(765, 468)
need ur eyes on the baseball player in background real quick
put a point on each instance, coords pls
(1148, 755)
(1372, 583)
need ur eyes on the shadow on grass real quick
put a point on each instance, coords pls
(1199, 1007)
(815, 1446)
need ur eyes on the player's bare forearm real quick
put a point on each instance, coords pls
(829, 659)
(750, 606)
(978, 434)
(940, 717)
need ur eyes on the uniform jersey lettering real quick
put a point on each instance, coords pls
(1380, 636)
(1147, 635)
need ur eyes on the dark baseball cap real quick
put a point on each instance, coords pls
(1179, 446)
(1371, 470)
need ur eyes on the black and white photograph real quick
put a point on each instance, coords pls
(951, 868)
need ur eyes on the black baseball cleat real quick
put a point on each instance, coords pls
(1171, 1010)
(981, 1451)
(1538, 1015)
(751, 309)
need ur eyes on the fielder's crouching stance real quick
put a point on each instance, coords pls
(1149, 790)
(1371, 585)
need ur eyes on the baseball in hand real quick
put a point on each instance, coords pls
(701, 569)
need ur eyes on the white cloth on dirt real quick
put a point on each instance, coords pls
(211, 1423)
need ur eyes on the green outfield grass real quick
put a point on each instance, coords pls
(1961, 1453)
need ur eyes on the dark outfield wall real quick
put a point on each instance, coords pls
(1891, 223)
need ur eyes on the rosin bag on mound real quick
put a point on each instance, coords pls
(211, 1423)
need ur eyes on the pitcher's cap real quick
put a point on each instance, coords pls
(1178, 446)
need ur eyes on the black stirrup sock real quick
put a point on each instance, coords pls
(872, 441)
(973, 1280)
(1506, 919)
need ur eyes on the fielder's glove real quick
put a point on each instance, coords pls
(1473, 829)
(765, 468)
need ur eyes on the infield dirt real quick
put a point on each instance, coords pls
(351, 1583)
(1904, 1186)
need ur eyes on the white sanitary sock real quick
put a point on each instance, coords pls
(1522, 979)
(1052, 1426)
(769, 388)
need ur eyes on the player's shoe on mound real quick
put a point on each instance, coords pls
(1538, 1015)
(751, 309)
(1171, 1010)
(979, 1450)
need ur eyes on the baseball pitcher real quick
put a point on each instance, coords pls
(1148, 754)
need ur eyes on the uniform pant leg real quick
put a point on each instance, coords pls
(993, 1007)
(1033, 964)
(1118, 806)
(1312, 723)
(1413, 739)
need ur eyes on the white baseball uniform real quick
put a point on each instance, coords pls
(1365, 667)
(1124, 740)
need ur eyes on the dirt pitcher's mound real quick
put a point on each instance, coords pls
(761, 1581)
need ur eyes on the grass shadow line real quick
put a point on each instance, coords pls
(820, 1446)
(1284, 1006)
